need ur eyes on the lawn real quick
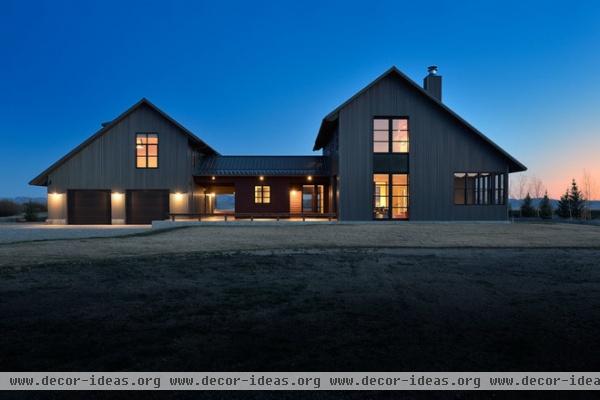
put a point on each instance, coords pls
(360, 307)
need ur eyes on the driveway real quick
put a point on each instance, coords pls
(23, 232)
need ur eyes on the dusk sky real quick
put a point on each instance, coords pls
(258, 77)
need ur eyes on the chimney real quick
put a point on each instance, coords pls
(433, 82)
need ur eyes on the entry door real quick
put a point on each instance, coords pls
(312, 199)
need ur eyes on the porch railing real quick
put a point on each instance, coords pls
(253, 216)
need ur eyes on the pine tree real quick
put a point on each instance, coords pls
(30, 213)
(545, 207)
(564, 206)
(576, 200)
(527, 209)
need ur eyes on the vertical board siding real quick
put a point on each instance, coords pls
(109, 161)
(439, 146)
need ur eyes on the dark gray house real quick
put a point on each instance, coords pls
(392, 151)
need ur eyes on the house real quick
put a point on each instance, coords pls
(393, 151)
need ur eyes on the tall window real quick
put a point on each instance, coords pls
(478, 188)
(146, 150)
(390, 135)
(262, 194)
(400, 196)
(390, 189)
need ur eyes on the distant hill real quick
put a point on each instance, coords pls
(516, 204)
(23, 200)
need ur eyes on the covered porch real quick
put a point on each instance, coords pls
(293, 188)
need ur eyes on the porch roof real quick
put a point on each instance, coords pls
(263, 165)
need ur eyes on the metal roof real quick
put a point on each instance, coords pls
(263, 165)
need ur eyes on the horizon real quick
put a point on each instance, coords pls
(258, 79)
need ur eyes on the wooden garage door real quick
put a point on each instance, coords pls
(145, 206)
(87, 207)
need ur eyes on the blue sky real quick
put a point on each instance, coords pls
(257, 77)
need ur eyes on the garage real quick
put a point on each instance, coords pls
(145, 206)
(88, 207)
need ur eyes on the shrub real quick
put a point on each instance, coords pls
(8, 208)
(30, 211)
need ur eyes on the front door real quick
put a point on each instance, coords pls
(312, 199)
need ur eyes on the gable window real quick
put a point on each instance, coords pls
(262, 194)
(478, 188)
(146, 150)
(390, 135)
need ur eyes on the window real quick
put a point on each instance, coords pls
(478, 188)
(390, 189)
(146, 150)
(390, 135)
(499, 193)
(262, 194)
(400, 196)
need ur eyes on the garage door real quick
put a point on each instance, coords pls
(86, 207)
(145, 206)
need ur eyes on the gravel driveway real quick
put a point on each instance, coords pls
(21, 232)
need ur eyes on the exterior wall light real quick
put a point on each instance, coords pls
(213, 178)
(178, 196)
(262, 178)
(309, 178)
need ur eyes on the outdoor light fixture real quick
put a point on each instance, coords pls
(213, 178)
(262, 178)
(178, 196)
(309, 178)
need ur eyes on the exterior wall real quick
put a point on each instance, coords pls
(280, 195)
(439, 146)
(179, 202)
(117, 207)
(57, 208)
(109, 161)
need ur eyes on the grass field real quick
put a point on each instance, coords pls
(427, 298)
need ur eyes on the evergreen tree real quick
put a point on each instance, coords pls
(545, 207)
(30, 212)
(564, 206)
(576, 200)
(527, 208)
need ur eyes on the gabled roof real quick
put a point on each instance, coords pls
(263, 165)
(330, 121)
(41, 179)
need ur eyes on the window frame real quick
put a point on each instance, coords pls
(390, 196)
(390, 135)
(483, 189)
(146, 156)
(261, 199)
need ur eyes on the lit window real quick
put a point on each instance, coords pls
(146, 150)
(390, 189)
(262, 194)
(390, 135)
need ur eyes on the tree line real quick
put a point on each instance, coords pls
(573, 204)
